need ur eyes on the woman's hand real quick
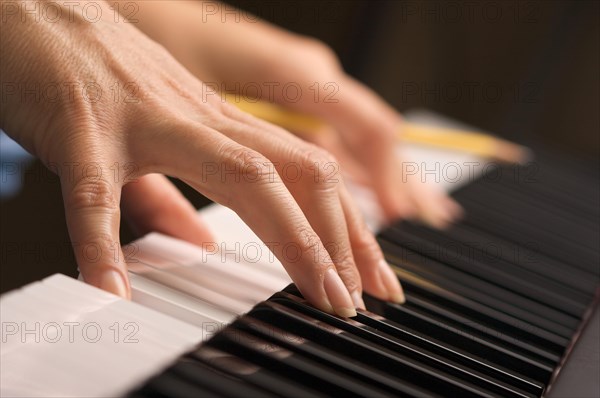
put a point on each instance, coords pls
(236, 51)
(123, 109)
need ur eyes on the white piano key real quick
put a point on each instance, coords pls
(235, 280)
(80, 368)
(195, 290)
(256, 262)
(168, 333)
(175, 303)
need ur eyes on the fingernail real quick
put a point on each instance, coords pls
(404, 210)
(457, 211)
(391, 282)
(338, 294)
(358, 300)
(112, 282)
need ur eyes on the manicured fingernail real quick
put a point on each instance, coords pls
(112, 282)
(390, 280)
(358, 300)
(338, 294)
(404, 210)
(457, 211)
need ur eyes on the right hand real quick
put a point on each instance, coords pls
(165, 126)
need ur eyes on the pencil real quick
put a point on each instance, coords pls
(476, 143)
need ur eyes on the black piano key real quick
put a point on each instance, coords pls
(468, 339)
(578, 284)
(142, 394)
(249, 372)
(494, 305)
(465, 330)
(518, 230)
(398, 366)
(402, 347)
(567, 191)
(220, 384)
(525, 289)
(168, 385)
(451, 252)
(447, 305)
(467, 358)
(578, 205)
(292, 366)
(519, 201)
(527, 220)
(352, 368)
(546, 182)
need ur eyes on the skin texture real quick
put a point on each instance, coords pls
(156, 117)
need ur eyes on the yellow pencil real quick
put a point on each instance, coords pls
(476, 143)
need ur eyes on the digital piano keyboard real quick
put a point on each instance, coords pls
(495, 306)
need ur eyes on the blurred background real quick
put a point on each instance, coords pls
(524, 70)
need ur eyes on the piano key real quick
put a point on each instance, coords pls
(381, 358)
(69, 366)
(527, 291)
(200, 292)
(293, 366)
(517, 230)
(419, 349)
(169, 385)
(463, 332)
(533, 221)
(448, 307)
(581, 284)
(164, 251)
(517, 195)
(470, 359)
(446, 248)
(177, 304)
(248, 372)
(418, 354)
(353, 368)
(549, 181)
(220, 383)
(522, 200)
(468, 337)
(494, 305)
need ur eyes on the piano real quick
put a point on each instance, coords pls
(502, 304)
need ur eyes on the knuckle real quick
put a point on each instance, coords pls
(316, 50)
(249, 163)
(319, 167)
(364, 242)
(350, 276)
(97, 249)
(309, 244)
(93, 194)
(376, 135)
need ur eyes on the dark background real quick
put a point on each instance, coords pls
(526, 70)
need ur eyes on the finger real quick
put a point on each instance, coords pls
(153, 204)
(378, 278)
(93, 216)
(328, 139)
(369, 128)
(314, 185)
(246, 181)
(433, 206)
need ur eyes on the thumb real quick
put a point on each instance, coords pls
(91, 199)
